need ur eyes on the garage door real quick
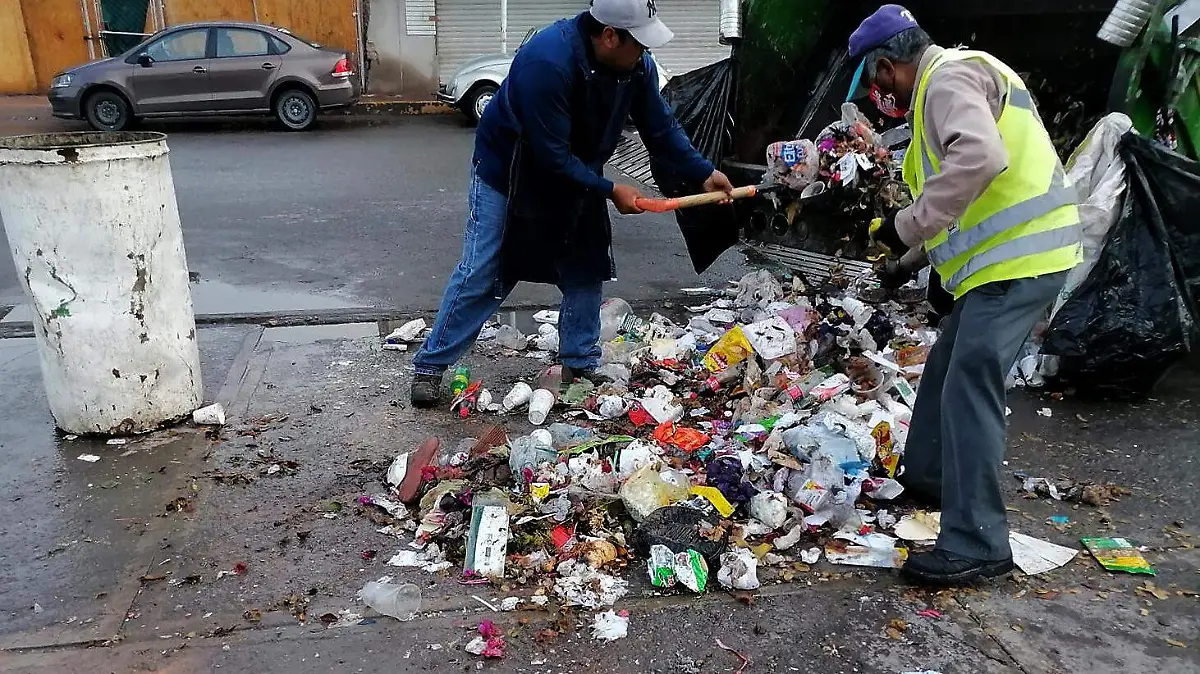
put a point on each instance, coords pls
(470, 28)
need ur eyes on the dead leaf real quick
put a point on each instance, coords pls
(1153, 590)
(253, 615)
(1176, 644)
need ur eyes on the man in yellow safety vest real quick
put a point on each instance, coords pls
(994, 216)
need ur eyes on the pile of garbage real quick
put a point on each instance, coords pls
(765, 429)
(847, 159)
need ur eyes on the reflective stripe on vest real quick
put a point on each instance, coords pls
(1029, 244)
(961, 241)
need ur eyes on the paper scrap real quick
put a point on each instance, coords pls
(1034, 556)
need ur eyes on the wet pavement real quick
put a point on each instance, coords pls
(364, 216)
(331, 411)
(79, 534)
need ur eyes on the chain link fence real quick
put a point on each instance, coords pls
(124, 23)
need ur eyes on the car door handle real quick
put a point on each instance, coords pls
(199, 70)
(268, 66)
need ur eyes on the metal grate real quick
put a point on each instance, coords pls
(813, 266)
(633, 159)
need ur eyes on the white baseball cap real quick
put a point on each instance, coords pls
(639, 17)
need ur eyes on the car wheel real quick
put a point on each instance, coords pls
(478, 100)
(108, 111)
(296, 109)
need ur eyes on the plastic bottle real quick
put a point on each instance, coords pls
(401, 602)
(462, 379)
(722, 379)
(539, 406)
(613, 314)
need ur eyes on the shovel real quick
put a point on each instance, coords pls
(703, 199)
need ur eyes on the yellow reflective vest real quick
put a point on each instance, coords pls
(1026, 223)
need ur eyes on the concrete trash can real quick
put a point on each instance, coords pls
(94, 229)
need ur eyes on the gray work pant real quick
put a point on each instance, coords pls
(957, 437)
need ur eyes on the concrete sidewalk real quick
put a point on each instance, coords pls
(31, 114)
(117, 565)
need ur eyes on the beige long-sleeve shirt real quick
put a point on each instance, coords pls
(963, 100)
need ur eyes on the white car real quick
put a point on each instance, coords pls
(478, 80)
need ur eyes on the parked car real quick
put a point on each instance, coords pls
(478, 80)
(214, 68)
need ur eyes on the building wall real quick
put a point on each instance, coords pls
(332, 23)
(38, 39)
(402, 59)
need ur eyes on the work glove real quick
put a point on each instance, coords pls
(892, 275)
(884, 235)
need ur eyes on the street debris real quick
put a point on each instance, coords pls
(489, 643)
(1034, 556)
(404, 335)
(748, 442)
(610, 625)
(774, 415)
(1098, 495)
(401, 602)
(1118, 554)
(741, 658)
(212, 415)
(90, 458)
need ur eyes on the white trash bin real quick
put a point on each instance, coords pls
(94, 230)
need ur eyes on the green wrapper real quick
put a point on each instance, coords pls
(1118, 554)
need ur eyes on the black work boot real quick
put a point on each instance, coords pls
(571, 375)
(426, 390)
(939, 567)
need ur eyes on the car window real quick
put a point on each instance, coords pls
(281, 47)
(181, 46)
(285, 31)
(241, 42)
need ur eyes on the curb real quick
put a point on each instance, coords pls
(390, 108)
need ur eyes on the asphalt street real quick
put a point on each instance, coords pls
(357, 216)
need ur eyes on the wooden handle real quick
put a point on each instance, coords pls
(664, 205)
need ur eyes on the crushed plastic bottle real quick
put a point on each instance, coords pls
(530, 451)
(511, 338)
(613, 314)
(401, 602)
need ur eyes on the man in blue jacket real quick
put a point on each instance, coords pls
(537, 202)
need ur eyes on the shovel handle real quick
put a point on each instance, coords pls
(664, 205)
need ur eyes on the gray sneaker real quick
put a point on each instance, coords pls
(426, 391)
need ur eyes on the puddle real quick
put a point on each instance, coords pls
(215, 297)
(304, 334)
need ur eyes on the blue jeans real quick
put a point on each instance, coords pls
(473, 295)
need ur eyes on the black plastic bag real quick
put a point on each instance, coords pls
(679, 528)
(700, 102)
(1133, 317)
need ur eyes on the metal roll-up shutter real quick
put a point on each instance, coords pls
(697, 27)
(526, 14)
(466, 29)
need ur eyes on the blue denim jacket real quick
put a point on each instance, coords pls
(542, 102)
(544, 141)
